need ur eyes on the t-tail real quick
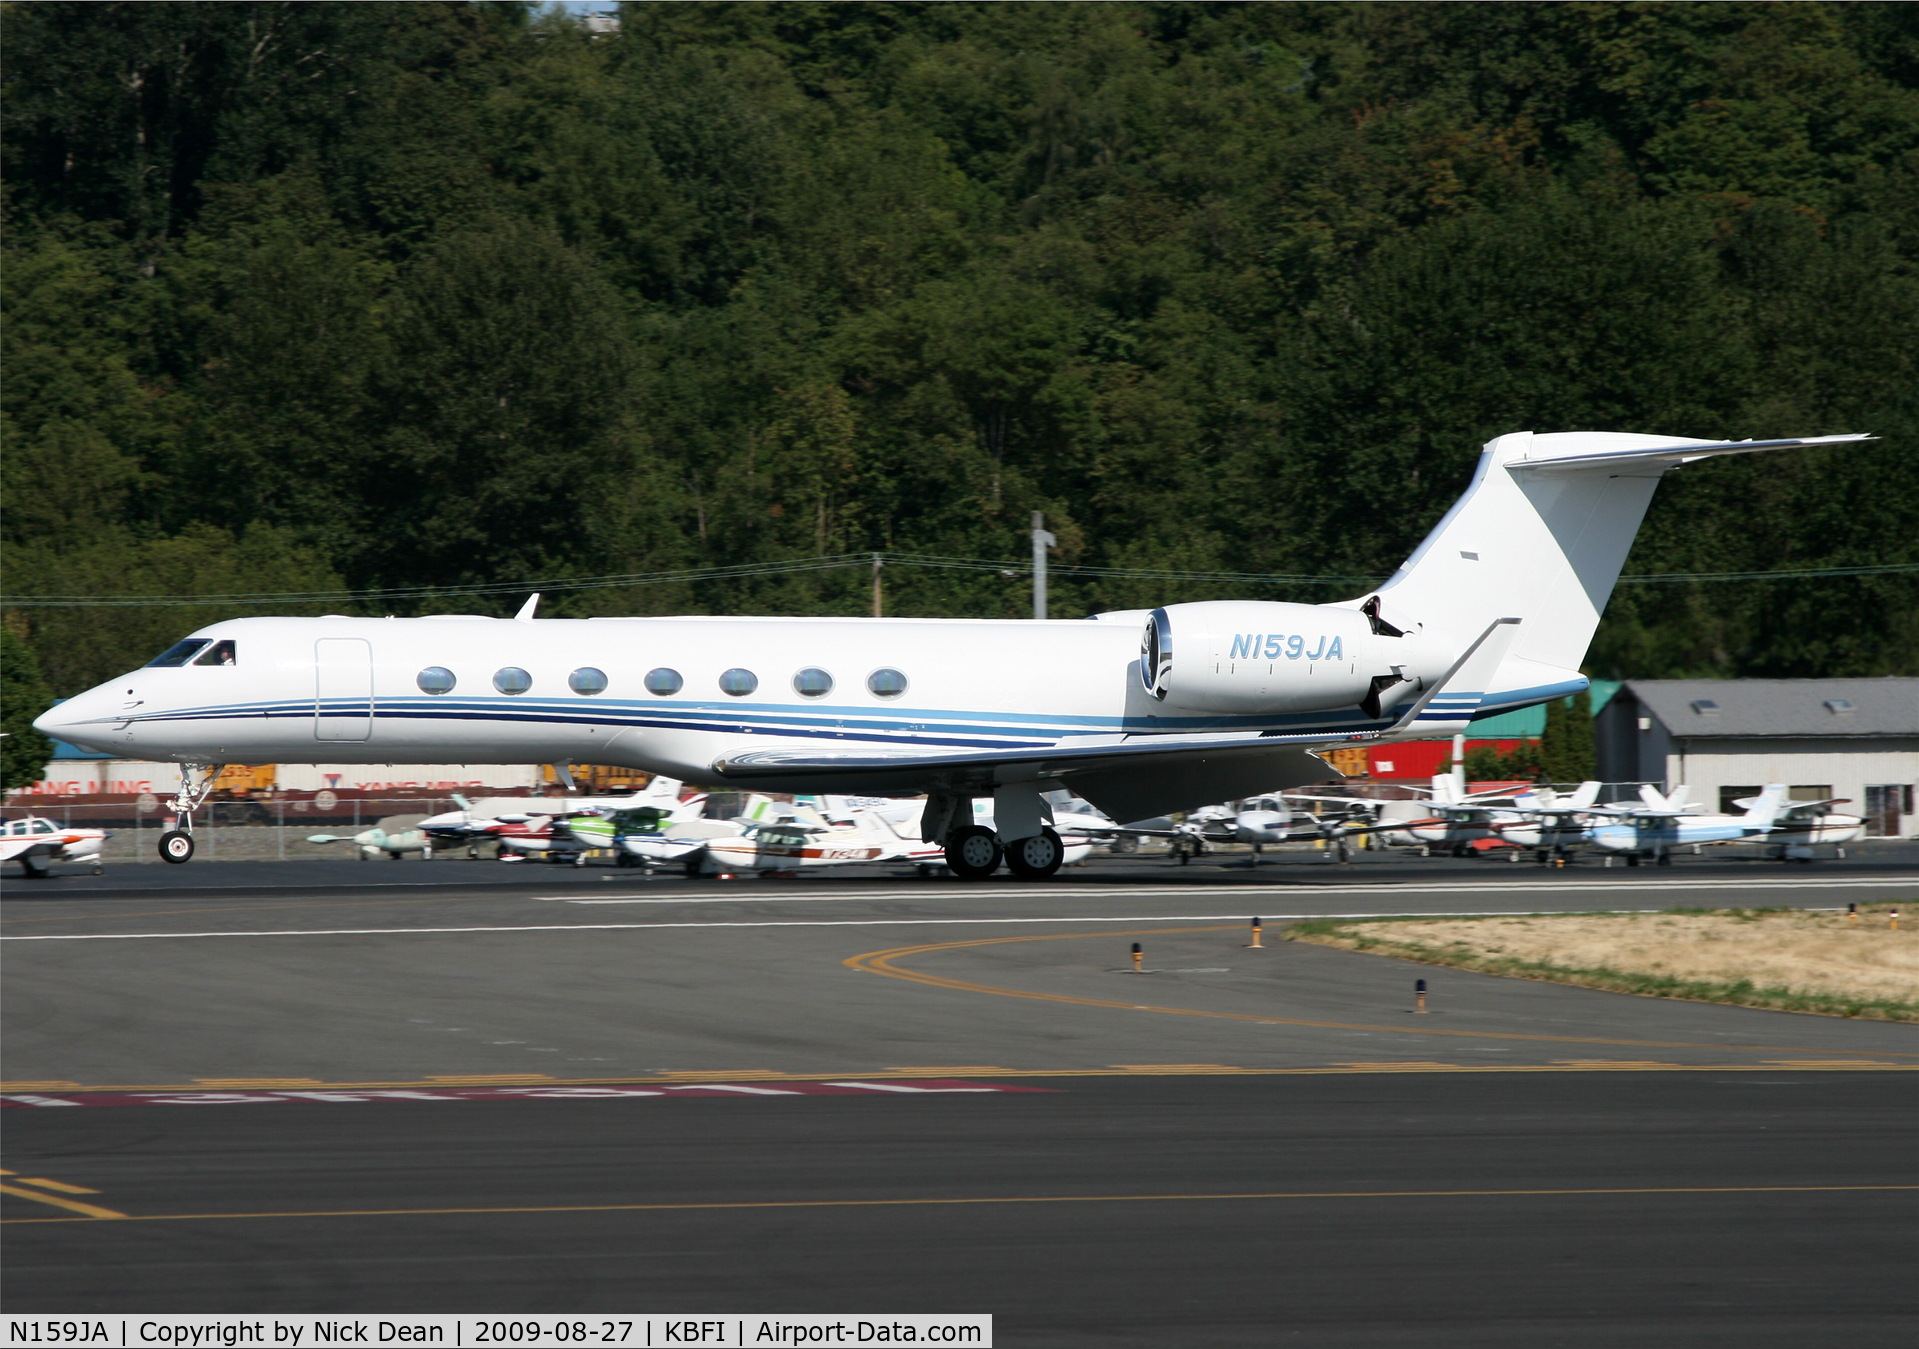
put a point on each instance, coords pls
(1539, 535)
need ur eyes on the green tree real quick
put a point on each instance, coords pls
(1566, 749)
(506, 396)
(23, 696)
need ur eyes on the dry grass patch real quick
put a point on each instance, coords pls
(1785, 959)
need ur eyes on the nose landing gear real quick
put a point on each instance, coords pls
(196, 784)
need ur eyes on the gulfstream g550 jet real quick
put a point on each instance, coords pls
(1140, 712)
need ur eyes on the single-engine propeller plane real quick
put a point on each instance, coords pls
(1140, 712)
(35, 841)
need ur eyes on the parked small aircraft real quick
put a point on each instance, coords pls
(392, 838)
(1453, 820)
(641, 835)
(796, 845)
(1664, 821)
(1552, 825)
(35, 841)
(1802, 825)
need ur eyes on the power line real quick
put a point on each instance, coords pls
(832, 562)
(1650, 578)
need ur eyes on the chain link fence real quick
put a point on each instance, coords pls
(250, 830)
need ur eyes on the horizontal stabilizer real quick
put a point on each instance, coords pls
(1669, 455)
(1449, 705)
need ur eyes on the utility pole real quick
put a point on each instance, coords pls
(1041, 542)
(876, 585)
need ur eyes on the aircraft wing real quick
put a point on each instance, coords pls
(1129, 777)
(11, 848)
(1110, 773)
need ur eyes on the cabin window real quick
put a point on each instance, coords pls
(512, 680)
(178, 654)
(436, 679)
(42, 827)
(885, 683)
(812, 682)
(587, 680)
(739, 682)
(664, 681)
(220, 653)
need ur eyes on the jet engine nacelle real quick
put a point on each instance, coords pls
(1250, 656)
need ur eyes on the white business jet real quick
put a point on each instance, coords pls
(1140, 712)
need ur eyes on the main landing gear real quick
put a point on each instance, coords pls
(1020, 835)
(975, 852)
(196, 784)
(972, 853)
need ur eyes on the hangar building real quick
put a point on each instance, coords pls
(1725, 738)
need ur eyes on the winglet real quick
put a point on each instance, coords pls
(526, 610)
(1449, 704)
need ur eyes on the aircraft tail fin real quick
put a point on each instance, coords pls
(1765, 810)
(1587, 794)
(1542, 532)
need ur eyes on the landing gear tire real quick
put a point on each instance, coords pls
(1036, 858)
(972, 853)
(1664, 860)
(176, 846)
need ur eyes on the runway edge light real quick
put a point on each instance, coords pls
(1255, 942)
(1419, 990)
(1138, 955)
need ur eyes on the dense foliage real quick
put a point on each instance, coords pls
(304, 297)
(23, 751)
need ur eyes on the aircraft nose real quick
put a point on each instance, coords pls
(74, 720)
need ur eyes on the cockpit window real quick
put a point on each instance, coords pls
(220, 653)
(179, 653)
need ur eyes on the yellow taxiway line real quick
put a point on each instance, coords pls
(882, 963)
(978, 1202)
(84, 1210)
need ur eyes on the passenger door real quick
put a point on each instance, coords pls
(343, 692)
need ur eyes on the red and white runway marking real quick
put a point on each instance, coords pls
(356, 1096)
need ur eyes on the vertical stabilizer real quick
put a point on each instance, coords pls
(1762, 812)
(1541, 533)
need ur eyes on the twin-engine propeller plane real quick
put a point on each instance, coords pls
(1140, 712)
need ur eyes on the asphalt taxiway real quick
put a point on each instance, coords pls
(475, 1087)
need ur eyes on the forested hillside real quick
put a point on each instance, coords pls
(340, 297)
